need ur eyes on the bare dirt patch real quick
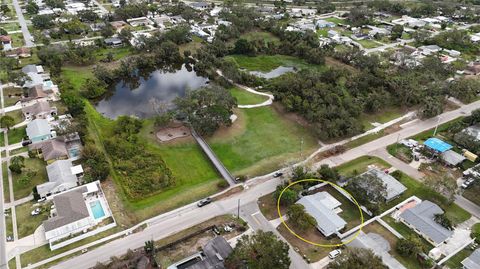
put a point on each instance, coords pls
(172, 132)
(336, 63)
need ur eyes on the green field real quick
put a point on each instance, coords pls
(23, 189)
(262, 141)
(369, 44)
(359, 165)
(455, 262)
(247, 98)
(336, 20)
(17, 116)
(26, 223)
(383, 116)
(260, 35)
(195, 177)
(77, 75)
(266, 63)
(16, 135)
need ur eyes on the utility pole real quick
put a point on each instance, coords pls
(238, 209)
(436, 126)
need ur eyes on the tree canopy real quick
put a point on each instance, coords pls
(357, 258)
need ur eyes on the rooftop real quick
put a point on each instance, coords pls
(472, 261)
(437, 145)
(70, 207)
(394, 188)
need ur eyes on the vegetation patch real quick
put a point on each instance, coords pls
(247, 98)
(266, 63)
(26, 223)
(32, 174)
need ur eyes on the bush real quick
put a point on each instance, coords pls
(222, 184)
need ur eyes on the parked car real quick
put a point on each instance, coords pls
(35, 212)
(41, 200)
(204, 202)
(467, 183)
(333, 254)
(278, 174)
(26, 142)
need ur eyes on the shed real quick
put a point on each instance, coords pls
(452, 158)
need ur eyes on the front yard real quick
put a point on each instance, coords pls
(26, 223)
(24, 183)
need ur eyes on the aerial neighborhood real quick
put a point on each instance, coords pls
(240, 134)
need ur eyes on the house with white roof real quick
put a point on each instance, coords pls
(39, 130)
(324, 208)
(472, 261)
(62, 175)
(394, 187)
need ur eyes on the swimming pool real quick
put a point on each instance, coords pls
(97, 209)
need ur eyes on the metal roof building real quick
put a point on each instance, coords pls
(394, 187)
(472, 261)
(421, 219)
(437, 145)
(322, 206)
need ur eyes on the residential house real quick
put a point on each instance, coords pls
(378, 244)
(118, 25)
(394, 187)
(436, 145)
(451, 158)
(212, 256)
(475, 38)
(62, 175)
(332, 33)
(6, 41)
(19, 53)
(200, 5)
(39, 130)
(35, 92)
(76, 215)
(37, 76)
(138, 38)
(98, 26)
(409, 21)
(429, 49)
(140, 21)
(39, 110)
(324, 208)
(53, 149)
(324, 24)
(113, 42)
(472, 261)
(421, 219)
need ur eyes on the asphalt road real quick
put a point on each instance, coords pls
(178, 220)
(23, 25)
(3, 230)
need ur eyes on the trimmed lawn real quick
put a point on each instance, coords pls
(118, 53)
(266, 63)
(336, 20)
(17, 116)
(16, 135)
(192, 46)
(368, 44)
(350, 212)
(364, 139)
(2, 139)
(360, 165)
(6, 192)
(9, 222)
(455, 261)
(261, 141)
(27, 224)
(17, 40)
(11, 96)
(20, 189)
(322, 32)
(382, 116)
(44, 252)
(247, 98)
(77, 75)
(260, 35)
(10, 26)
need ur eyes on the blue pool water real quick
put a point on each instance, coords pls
(97, 209)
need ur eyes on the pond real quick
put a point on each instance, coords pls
(153, 93)
(274, 73)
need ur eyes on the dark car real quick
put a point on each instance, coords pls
(26, 142)
(278, 174)
(204, 202)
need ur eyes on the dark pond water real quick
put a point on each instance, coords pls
(274, 73)
(151, 95)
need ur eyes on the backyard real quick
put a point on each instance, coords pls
(11, 96)
(16, 135)
(32, 175)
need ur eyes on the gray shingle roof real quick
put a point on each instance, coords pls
(51, 149)
(318, 205)
(37, 108)
(215, 252)
(452, 158)
(394, 188)
(422, 218)
(70, 207)
(472, 261)
(59, 173)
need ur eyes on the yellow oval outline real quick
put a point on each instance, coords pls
(310, 242)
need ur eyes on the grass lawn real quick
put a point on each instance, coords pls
(455, 261)
(260, 35)
(247, 98)
(336, 20)
(27, 224)
(16, 135)
(350, 212)
(11, 96)
(368, 44)
(10, 26)
(266, 63)
(77, 75)
(20, 189)
(375, 227)
(455, 213)
(261, 141)
(17, 116)
(195, 176)
(322, 32)
(192, 46)
(383, 116)
(360, 165)
(364, 139)
(9, 222)
(17, 40)
(6, 192)
(44, 252)
(12, 263)
(2, 139)
(472, 193)
(401, 152)
(421, 137)
(118, 53)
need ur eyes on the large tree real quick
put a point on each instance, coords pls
(259, 251)
(299, 218)
(7, 122)
(207, 108)
(357, 258)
